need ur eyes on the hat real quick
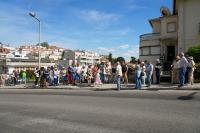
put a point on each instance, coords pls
(191, 58)
(157, 60)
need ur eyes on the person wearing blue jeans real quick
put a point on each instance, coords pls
(149, 79)
(119, 75)
(182, 76)
(183, 63)
(149, 71)
(138, 84)
(119, 83)
(56, 80)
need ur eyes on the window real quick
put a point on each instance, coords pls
(145, 51)
(151, 50)
(140, 51)
(155, 50)
(171, 27)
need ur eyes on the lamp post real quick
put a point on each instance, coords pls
(32, 14)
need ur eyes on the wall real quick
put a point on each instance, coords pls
(166, 20)
(189, 19)
(156, 25)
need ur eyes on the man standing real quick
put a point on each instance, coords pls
(124, 72)
(158, 71)
(102, 72)
(37, 76)
(118, 75)
(149, 72)
(138, 75)
(182, 69)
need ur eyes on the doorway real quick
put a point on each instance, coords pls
(170, 53)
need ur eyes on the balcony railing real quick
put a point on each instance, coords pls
(150, 36)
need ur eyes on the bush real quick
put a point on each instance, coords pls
(195, 52)
(30, 75)
(197, 73)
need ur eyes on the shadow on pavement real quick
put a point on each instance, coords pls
(187, 97)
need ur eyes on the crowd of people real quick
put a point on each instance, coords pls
(74, 74)
(183, 70)
(182, 73)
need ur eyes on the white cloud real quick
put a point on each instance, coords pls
(121, 50)
(135, 7)
(98, 16)
(98, 19)
(103, 50)
(133, 51)
(131, 5)
(125, 46)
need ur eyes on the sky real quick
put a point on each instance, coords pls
(98, 25)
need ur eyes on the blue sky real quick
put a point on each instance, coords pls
(99, 25)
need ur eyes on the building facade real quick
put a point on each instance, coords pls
(8, 65)
(172, 33)
(51, 52)
(82, 57)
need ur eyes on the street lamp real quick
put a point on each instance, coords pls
(32, 14)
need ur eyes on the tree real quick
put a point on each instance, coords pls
(120, 59)
(63, 53)
(195, 52)
(110, 57)
(133, 59)
(44, 44)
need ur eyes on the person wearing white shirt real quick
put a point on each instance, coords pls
(56, 76)
(183, 63)
(149, 72)
(37, 76)
(118, 75)
(191, 66)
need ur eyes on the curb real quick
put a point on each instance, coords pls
(98, 88)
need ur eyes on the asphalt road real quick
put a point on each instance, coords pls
(69, 111)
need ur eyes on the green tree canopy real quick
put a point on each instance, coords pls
(120, 59)
(110, 57)
(195, 53)
(133, 59)
(44, 44)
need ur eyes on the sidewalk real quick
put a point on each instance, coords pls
(107, 87)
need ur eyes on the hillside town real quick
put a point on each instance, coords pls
(26, 57)
(99, 66)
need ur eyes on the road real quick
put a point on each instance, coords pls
(86, 111)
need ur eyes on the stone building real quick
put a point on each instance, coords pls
(172, 32)
(83, 57)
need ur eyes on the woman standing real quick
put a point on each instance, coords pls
(143, 73)
(89, 74)
(158, 71)
(191, 67)
(138, 75)
(97, 78)
(108, 73)
(175, 70)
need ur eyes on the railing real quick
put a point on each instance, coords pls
(150, 36)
